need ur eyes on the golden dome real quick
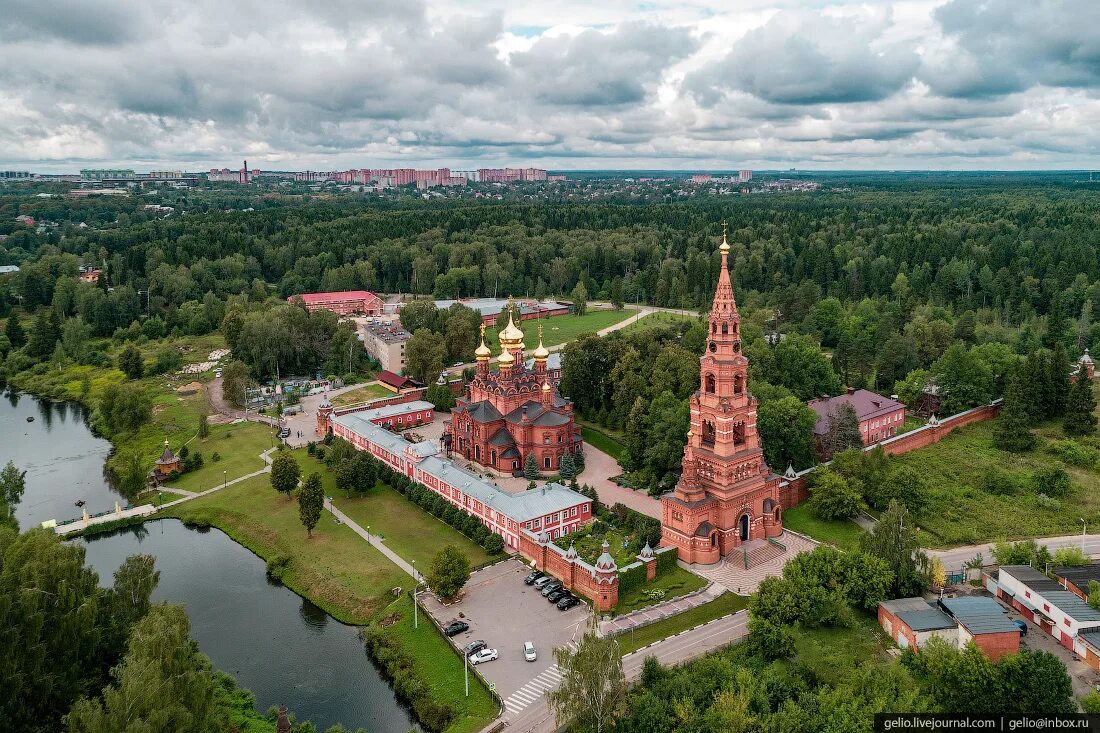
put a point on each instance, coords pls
(724, 248)
(482, 352)
(541, 354)
(510, 335)
(506, 358)
(546, 386)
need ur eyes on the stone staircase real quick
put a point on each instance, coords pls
(759, 555)
(765, 558)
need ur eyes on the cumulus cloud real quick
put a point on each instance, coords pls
(690, 83)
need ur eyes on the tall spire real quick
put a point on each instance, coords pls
(724, 302)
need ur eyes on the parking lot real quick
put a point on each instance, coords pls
(504, 612)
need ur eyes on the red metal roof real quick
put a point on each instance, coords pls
(314, 298)
(867, 405)
(394, 380)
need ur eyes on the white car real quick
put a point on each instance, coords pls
(483, 655)
(529, 652)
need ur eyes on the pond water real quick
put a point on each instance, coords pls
(62, 458)
(283, 648)
(276, 643)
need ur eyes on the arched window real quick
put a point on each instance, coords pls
(547, 462)
(735, 329)
(477, 452)
(708, 433)
(709, 383)
(739, 384)
(713, 327)
(494, 457)
(739, 433)
(725, 328)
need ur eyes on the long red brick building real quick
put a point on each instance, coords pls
(347, 303)
(727, 495)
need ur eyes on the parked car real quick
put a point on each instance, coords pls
(474, 646)
(557, 595)
(550, 588)
(483, 655)
(568, 602)
(1021, 625)
(530, 579)
(455, 628)
(284, 433)
(529, 651)
(540, 582)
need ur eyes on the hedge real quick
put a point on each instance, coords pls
(631, 577)
(397, 666)
(666, 560)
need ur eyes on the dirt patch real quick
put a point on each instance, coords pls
(190, 388)
(389, 621)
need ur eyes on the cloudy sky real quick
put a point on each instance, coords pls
(564, 84)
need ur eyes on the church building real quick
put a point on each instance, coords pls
(513, 412)
(727, 495)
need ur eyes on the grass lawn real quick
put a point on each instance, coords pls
(834, 653)
(723, 605)
(842, 533)
(336, 569)
(439, 666)
(362, 394)
(344, 575)
(911, 423)
(674, 582)
(239, 446)
(589, 546)
(561, 329)
(657, 319)
(601, 440)
(959, 512)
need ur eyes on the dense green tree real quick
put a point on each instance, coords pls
(441, 397)
(1080, 412)
(424, 354)
(17, 337)
(668, 420)
(593, 689)
(566, 467)
(580, 299)
(786, 428)
(311, 501)
(235, 383)
(163, 683)
(13, 483)
(448, 572)
(420, 314)
(842, 430)
(531, 467)
(964, 380)
(1012, 431)
(131, 363)
(285, 472)
(123, 407)
(461, 331)
(796, 363)
(894, 540)
(636, 435)
(832, 496)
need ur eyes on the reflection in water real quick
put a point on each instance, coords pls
(282, 647)
(312, 615)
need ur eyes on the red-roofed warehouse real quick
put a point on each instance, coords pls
(345, 304)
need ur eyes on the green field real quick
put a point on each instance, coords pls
(674, 582)
(959, 512)
(601, 439)
(842, 533)
(344, 575)
(723, 605)
(658, 319)
(561, 329)
(239, 446)
(833, 653)
(361, 394)
(408, 530)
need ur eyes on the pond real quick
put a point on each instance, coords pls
(283, 648)
(63, 459)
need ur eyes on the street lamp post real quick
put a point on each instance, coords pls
(1083, 526)
(225, 477)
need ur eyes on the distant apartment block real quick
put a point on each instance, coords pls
(224, 175)
(345, 303)
(700, 178)
(386, 343)
(15, 175)
(98, 174)
(744, 176)
(510, 175)
(559, 177)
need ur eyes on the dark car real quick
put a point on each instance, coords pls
(474, 646)
(530, 579)
(568, 602)
(455, 628)
(550, 588)
(1021, 625)
(556, 596)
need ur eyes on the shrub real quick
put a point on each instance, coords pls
(215, 456)
(1054, 482)
(277, 566)
(1071, 557)
(1075, 453)
(999, 483)
(631, 578)
(493, 544)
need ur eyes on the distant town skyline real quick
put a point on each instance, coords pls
(678, 85)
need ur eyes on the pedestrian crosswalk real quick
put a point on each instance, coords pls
(533, 690)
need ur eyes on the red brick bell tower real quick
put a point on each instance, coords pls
(727, 494)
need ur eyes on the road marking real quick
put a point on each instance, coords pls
(542, 683)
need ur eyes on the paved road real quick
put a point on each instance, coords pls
(678, 649)
(956, 557)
